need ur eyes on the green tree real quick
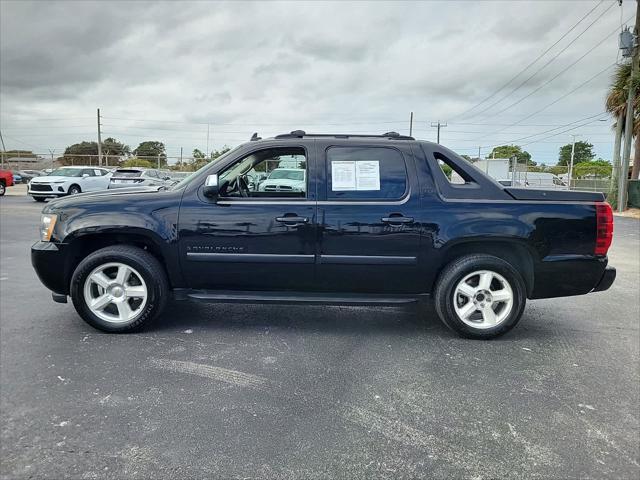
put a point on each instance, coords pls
(599, 168)
(152, 149)
(509, 151)
(583, 153)
(218, 153)
(616, 103)
(139, 162)
(200, 159)
(77, 153)
(112, 147)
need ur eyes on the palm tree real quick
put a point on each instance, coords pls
(616, 104)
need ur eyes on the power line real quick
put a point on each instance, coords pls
(558, 133)
(532, 63)
(548, 81)
(294, 122)
(591, 117)
(562, 97)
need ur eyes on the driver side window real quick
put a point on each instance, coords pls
(271, 173)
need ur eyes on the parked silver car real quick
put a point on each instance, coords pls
(135, 177)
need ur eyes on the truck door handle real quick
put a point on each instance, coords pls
(397, 219)
(292, 220)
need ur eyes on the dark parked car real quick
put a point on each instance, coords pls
(28, 175)
(138, 177)
(377, 222)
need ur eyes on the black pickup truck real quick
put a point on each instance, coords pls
(319, 218)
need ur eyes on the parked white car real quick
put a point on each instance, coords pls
(285, 180)
(69, 181)
(140, 177)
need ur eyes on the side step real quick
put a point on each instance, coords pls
(309, 298)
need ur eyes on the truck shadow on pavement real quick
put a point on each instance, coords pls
(417, 319)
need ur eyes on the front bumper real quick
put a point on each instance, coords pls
(47, 194)
(50, 263)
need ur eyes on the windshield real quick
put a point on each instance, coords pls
(287, 174)
(67, 172)
(185, 181)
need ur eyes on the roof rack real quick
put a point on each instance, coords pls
(302, 133)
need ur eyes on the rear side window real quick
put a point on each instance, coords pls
(452, 172)
(89, 172)
(365, 173)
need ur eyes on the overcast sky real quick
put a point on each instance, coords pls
(163, 70)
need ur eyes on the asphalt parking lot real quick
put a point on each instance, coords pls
(249, 391)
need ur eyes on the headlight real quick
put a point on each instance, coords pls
(47, 223)
(59, 181)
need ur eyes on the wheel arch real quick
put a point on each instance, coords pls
(517, 252)
(82, 244)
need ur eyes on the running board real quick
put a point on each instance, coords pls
(309, 298)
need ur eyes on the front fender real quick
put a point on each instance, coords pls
(149, 218)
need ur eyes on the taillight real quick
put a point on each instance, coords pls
(604, 228)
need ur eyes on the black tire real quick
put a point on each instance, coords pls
(3, 188)
(455, 272)
(39, 199)
(146, 265)
(74, 190)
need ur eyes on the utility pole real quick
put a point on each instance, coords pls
(479, 147)
(573, 151)
(99, 142)
(3, 152)
(180, 158)
(411, 125)
(628, 123)
(51, 152)
(158, 161)
(615, 173)
(439, 125)
(207, 152)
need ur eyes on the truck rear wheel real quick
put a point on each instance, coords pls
(480, 296)
(119, 289)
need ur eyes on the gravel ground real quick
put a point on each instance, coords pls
(250, 391)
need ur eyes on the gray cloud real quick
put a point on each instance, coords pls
(288, 65)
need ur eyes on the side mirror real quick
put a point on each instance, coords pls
(85, 175)
(211, 187)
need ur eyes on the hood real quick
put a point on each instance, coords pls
(122, 193)
(51, 179)
(282, 181)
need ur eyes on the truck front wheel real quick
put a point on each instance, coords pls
(480, 296)
(119, 289)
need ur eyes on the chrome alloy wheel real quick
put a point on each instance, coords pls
(115, 292)
(483, 299)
